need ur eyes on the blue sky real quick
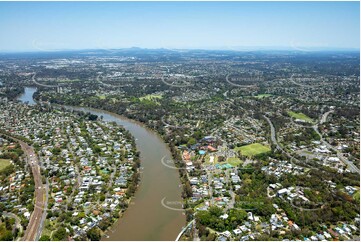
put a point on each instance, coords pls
(32, 26)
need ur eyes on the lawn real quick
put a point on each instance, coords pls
(300, 116)
(151, 97)
(234, 161)
(253, 149)
(259, 96)
(4, 163)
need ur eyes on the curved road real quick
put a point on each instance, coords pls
(278, 147)
(324, 116)
(238, 85)
(185, 228)
(42, 85)
(17, 221)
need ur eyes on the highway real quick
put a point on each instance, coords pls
(324, 116)
(34, 227)
(35, 224)
(278, 147)
(42, 85)
(43, 217)
(238, 85)
(273, 134)
(35, 219)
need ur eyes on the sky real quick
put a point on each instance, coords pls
(45, 26)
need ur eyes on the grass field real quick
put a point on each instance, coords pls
(253, 149)
(234, 161)
(259, 96)
(300, 116)
(102, 97)
(4, 163)
(151, 97)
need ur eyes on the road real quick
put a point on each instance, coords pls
(42, 221)
(303, 85)
(34, 227)
(274, 141)
(238, 85)
(105, 84)
(17, 221)
(273, 134)
(40, 84)
(348, 163)
(185, 228)
(35, 222)
(324, 116)
(102, 83)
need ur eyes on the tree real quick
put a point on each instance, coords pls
(44, 238)
(2, 208)
(94, 234)
(7, 236)
(60, 234)
(192, 141)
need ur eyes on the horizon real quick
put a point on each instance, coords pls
(239, 26)
(234, 49)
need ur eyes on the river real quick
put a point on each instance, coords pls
(27, 96)
(146, 218)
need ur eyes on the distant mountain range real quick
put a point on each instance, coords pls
(135, 51)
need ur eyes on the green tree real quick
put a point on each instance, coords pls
(94, 234)
(44, 238)
(60, 234)
(7, 236)
(192, 141)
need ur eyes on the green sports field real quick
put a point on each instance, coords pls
(300, 116)
(253, 149)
